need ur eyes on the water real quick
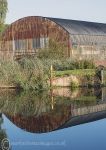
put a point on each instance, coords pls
(58, 120)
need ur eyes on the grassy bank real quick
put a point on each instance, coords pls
(81, 72)
(34, 73)
(76, 78)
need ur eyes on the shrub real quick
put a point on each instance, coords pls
(27, 74)
(33, 73)
(55, 50)
(68, 64)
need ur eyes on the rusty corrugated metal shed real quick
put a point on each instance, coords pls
(79, 38)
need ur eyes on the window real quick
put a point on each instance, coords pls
(20, 44)
(40, 43)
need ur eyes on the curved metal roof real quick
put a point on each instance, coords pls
(26, 27)
(81, 27)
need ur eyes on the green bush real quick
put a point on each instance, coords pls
(27, 74)
(68, 64)
(54, 50)
(34, 73)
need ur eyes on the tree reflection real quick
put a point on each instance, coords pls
(3, 134)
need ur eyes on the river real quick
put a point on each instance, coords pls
(56, 120)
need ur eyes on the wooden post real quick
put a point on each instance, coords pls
(51, 75)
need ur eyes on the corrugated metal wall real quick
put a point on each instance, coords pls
(28, 35)
(83, 40)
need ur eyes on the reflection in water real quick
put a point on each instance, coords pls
(45, 112)
(3, 134)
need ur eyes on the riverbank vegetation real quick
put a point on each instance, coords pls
(81, 72)
(34, 73)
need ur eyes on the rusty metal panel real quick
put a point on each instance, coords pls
(25, 30)
(82, 39)
(31, 27)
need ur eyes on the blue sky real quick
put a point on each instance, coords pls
(88, 10)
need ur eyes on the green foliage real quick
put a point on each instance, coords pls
(33, 73)
(81, 72)
(27, 74)
(3, 27)
(56, 54)
(8, 72)
(68, 64)
(55, 50)
(3, 10)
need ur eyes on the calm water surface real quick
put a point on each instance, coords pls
(57, 120)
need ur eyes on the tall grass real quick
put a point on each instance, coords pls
(26, 74)
(33, 73)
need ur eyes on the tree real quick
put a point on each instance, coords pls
(3, 10)
(55, 50)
